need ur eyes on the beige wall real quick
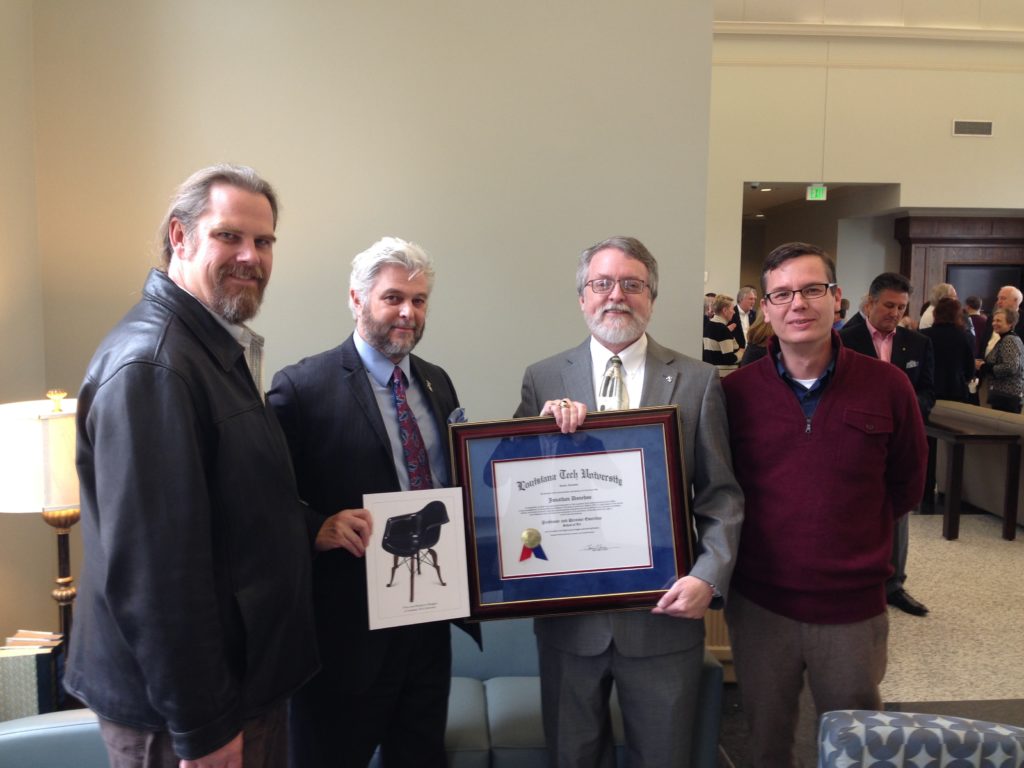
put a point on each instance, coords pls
(21, 290)
(504, 137)
(27, 548)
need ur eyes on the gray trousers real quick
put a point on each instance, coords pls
(657, 694)
(844, 664)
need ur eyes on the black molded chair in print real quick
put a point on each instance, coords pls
(407, 536)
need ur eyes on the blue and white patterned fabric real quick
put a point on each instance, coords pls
(861, 738)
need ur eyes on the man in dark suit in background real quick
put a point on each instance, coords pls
(340, 412)
(654, 657)
(744, 314)
(858, 317)
(977, 321)
(882, 336)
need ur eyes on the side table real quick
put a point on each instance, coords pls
(958, 435)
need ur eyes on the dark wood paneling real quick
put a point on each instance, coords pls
(929, 244)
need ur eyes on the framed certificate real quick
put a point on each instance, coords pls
(555, 523)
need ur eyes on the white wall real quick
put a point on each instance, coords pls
(844, 225)
(868, 249)
(862, 109)
(967, 14)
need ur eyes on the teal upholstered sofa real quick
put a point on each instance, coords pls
(56, 740)
(494, 711)
(493, 714)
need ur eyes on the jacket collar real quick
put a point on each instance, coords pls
(211, 334)
(661, 376)
(351, 363)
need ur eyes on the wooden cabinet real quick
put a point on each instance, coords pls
(931, 244)
(716, 640)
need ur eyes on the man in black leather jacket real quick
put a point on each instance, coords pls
(194, 620)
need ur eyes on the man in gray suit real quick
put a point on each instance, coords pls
(654, 658)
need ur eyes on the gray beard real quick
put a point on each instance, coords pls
(624, 331)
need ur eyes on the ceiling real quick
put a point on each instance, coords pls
(761, 196)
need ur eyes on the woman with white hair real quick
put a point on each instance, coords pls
(1004, 365)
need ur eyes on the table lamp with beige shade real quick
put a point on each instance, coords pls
(37, 474)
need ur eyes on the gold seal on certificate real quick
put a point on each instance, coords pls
(531, 545)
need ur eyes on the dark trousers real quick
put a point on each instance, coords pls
(900, 547)
(404, 710)
(264, 743)
(1008, 403)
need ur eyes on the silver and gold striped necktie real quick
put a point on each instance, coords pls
(613, 386)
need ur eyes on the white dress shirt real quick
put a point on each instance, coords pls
(634, 363)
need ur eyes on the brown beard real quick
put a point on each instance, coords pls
(243, 304)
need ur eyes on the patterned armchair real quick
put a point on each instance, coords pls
(855, 738)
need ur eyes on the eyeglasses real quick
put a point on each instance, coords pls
(812, 291)
(606, 285)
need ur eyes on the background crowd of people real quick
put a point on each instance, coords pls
(973, 352)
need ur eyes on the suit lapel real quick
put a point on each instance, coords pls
(356, 375)
(578, 376)
(860, 341)
(661, 378)
(434, 389)
(900, 354)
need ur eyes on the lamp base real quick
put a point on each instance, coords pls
(64, 593)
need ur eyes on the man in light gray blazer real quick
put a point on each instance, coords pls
(653, 657)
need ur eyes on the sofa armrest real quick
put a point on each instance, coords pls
(69, 739)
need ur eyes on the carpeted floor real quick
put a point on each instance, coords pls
(964, 658)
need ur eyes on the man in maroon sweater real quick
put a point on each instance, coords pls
(829, 448)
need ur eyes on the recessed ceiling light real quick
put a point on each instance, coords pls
(758, 215)
(766, 189)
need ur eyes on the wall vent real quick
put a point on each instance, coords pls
(972, 127)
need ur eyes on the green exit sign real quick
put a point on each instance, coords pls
(817, 192)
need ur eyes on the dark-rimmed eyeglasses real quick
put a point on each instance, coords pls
(812, 291)
(607, 285)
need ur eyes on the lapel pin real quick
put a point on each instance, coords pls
(668, 379)
(430, 387)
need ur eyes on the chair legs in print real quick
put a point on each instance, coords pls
(415, 571)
